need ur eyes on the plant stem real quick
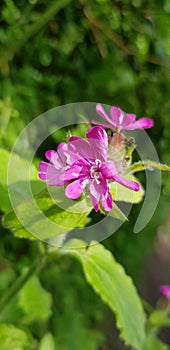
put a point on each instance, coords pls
(37, 265)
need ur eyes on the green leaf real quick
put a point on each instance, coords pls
(75, 333)
(14, 338)
(109, 280)
(159, 318)
(44, 215)
(148, 164)
(47, 342)
(5, 205)
(124, 194)
(35, 301)
(19, 175)
(115, 213)
(11, 222)
(152, 343)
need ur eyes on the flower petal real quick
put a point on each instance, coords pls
(58, 181)
(75, 189)
(79, 148)
(142, 123)
(98, 133)
(95, 194)
(47, 171)
(98, 141)
(42, 176)
(165, 290)
(50, 173)
(121, 119)
(72, 173)
(105, 126)
(73, 138)
(52, 156)
(61, 149)
(117, 115)
(132, 185)
(105, 196)
(108, 169)
(42, 166)
(128, 119)
(100, 110)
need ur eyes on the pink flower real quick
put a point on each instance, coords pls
(165, 290)
(92, 169)
(121, 121)
(85, 164)
(54, 171)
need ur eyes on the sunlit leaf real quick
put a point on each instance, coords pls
(109, 280)
(14, 338)
(123, 194)
(115, 213)
(20, 169)
(51, 218)
(47, 342)
(159, 318)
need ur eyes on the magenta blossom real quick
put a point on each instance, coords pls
(54, 171)
(121, 121)
(92, 169)
(165, 290)
(85, 164)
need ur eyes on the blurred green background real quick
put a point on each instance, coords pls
(59, 52)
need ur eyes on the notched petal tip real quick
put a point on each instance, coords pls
(42, 166)
(142, 123)
(97, 133)
(150, 123)
(50, 154)
(42, 176)
(115, 111)
(146, 123)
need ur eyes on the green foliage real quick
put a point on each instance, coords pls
(110, 281)
(67, 336)
(116, 213)
(59, 52)
(159, 318)
(73, 300)
(14, 338)
(47, 342)
(154, 344)
(35, 301)
(18, 179)
(66, 217)
(121, 193)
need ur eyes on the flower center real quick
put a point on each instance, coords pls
(95, 170)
